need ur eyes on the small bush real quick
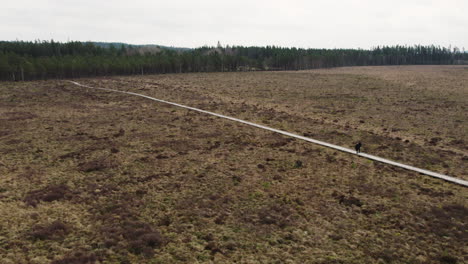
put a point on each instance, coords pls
(77, 258)
(448, 260)
(55, 229)
(330, 159)
(96, 165)
(153, 239)
(221, 219)
(48, 194)
(447, 221)
(349, 201)
(213, 247)
(115, 150)
(298, 164)
(120, 133)
(280, 215)
(144, 243)
(140, 236)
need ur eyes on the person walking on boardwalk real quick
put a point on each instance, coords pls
(358, 147)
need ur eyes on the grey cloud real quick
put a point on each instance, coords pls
(318, 23)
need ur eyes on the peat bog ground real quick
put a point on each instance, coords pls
(92, 176)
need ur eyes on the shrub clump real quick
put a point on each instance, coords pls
(48, 194)
(298, 164)
(447, 221)
(96, 165)
(349, 201)
(141, 237)
(51, 231)
(77, 258)
(280, 215)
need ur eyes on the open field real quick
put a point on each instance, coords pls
(89, 175)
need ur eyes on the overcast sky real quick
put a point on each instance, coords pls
(298, 23)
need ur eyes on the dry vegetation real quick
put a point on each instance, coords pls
(91, 176)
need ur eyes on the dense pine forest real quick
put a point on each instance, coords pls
(21, 60)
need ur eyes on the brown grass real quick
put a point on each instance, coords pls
(90, 176)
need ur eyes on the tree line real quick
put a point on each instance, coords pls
(20, 60)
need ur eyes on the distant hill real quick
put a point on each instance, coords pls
(149, 46)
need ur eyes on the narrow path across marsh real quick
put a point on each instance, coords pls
(318, 142)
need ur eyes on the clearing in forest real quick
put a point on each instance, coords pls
(91, 175)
